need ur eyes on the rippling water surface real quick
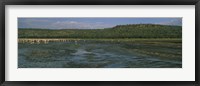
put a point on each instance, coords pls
(85, 54)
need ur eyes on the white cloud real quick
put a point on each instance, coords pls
(73, 22)
(48, 24)
(78, 25)
(99, 22)
(172, 22)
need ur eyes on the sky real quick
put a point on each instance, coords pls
(91, 23)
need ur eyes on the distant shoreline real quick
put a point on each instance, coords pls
(119, 31)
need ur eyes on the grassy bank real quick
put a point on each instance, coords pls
(46, 40)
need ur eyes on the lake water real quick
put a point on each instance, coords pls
(99, 55)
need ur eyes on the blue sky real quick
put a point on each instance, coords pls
(91, 23)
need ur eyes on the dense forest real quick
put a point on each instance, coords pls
(119, 31)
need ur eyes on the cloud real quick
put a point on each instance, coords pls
(52, 24)
(78, 25)
(172, 22)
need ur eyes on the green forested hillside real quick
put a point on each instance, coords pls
(119, 31)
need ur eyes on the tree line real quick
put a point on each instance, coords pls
(119, 31)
